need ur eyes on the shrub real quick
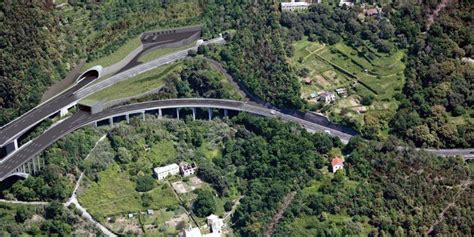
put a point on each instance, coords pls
(145, 183)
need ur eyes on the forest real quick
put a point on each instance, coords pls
(381, 191)
(436, 105)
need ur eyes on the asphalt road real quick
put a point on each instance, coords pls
(82, 118)
(140, 69)
(33, 117)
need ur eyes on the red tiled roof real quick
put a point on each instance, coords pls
(371, 12)
(337, 161)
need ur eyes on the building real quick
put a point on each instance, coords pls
(308, 81)
(165, 171)
(313, 94)
(372, 12)
(191, 232)
(349, 3)
(187, 169)
(327, 97)
(294, 6)
(337, 164)
(150, 212)
(341, 92)
(215, 223)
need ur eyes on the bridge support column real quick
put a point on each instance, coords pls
(143, 115)
(194, 113)
(127, 116)
(160, 114)
(111, 121)
(63, 112)
(34, 165)
(226, 113)
(15, 143)
(177, 113)
(209, 111)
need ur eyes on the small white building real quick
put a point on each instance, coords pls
(349, 3)
(187, 169)
(337, 164)
(215, 223)
(294, 6)
(165, 171)
(327, 97)
(191, 232)
(341, 92)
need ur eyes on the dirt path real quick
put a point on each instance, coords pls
(24, 203)
(464, 185)
(85, 214)
(435, 13)
(276, 218)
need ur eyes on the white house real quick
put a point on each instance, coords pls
(215, 223)
(349, 3)
(191, 232)
(294, 6)
(337, 164)
(327, 97)
(187, 169)
(165, 171)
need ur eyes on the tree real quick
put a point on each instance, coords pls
(228, 206)
(123, 155)
(23, 214)
(145, 183)
(367, 100)
(205, 203)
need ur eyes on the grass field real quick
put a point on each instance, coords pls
(137, 85)
(116, 56)
(310, 225)
(161, 153)
(362, 74)
(113, 194)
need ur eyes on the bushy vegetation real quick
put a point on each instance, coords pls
(41, 220)
(439, 83)
(257, 58)
(385, 191)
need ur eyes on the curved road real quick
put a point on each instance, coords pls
(81, 119)
(33, 117)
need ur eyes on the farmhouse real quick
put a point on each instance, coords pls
(294, 6)
(187, 169)
(165, 171)
(215, 223)
(327, 97)
(348, 3)
(337, 164)
(372, 12)
(341, 92)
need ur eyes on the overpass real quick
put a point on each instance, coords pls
(21, 160)
(83, 87)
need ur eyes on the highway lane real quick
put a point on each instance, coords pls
(82, 89)
(141, 68)
(82, 118)
(33, 117)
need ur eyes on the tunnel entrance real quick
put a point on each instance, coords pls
(93, 72)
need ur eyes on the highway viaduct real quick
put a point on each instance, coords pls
(23, 161)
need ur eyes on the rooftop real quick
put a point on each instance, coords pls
(166, 168)
(337, 161)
